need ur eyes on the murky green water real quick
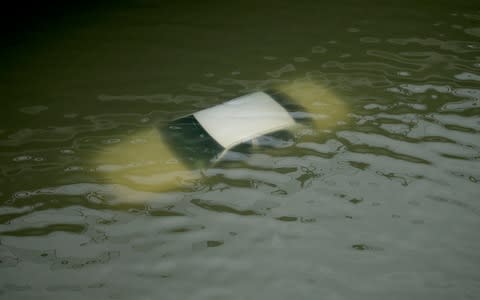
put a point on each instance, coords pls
(385, 206)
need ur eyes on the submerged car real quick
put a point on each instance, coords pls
(173, 154)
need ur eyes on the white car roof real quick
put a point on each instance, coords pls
(244, 118)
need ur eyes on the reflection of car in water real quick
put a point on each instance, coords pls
(168, 156)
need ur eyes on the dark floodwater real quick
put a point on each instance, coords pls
(385, 206)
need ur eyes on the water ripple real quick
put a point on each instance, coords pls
(393, 186)
(451, 45)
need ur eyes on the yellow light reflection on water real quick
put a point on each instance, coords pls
(325, 108)
(144, 162)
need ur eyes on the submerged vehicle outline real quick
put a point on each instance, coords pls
(173, 155)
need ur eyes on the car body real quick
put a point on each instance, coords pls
(173, 155)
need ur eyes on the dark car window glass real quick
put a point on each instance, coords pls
(190, 142)
(298, 112)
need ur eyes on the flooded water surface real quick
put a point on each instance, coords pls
(376, 199)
